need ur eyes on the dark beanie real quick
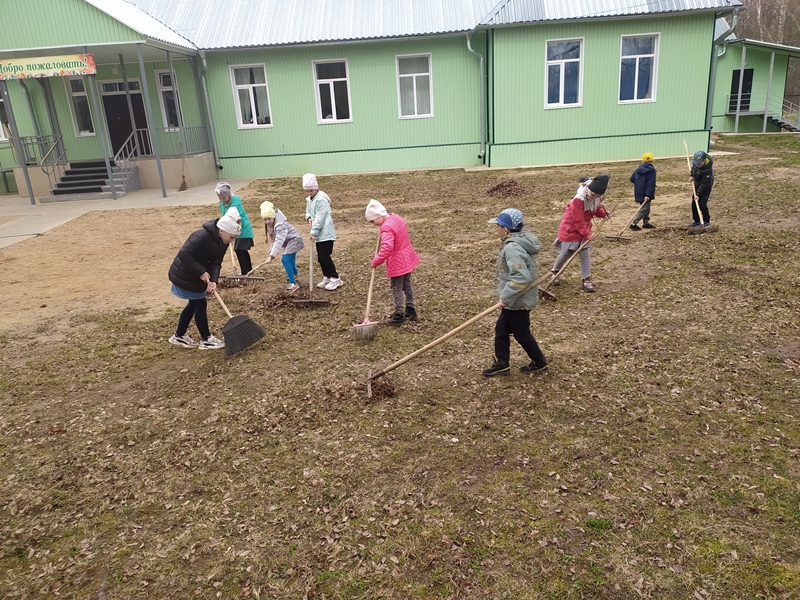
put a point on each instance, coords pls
(599, 184)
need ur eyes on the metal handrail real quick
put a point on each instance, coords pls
(55, 168)
(125, 160)
(773, 106)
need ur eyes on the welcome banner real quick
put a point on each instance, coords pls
(48, 66)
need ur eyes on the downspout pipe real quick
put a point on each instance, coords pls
(214, 149)
(482, 70)
(713, 75)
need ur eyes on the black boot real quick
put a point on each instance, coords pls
(396, 319)
(411, 313)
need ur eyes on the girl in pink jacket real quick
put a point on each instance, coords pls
(400, 257)
(576, 226)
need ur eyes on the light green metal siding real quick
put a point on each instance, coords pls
(757, 59)
(525, 133)
(376, 139)
(68, 23)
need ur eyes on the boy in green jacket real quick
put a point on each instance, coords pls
(516, 270)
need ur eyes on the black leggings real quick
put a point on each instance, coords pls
(324, 251)
(199, 310)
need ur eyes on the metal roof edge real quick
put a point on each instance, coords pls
(102, 5)
(794, 50)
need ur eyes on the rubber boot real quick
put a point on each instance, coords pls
(411, 313)
(396, 319)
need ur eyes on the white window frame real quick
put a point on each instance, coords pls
(413, 77)
(236, 87)
(320, 117)
(70, 96)
(174, 89)
(3, 136)
(653, 74)
(547, 64)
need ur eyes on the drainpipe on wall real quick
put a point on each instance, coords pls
(713, 75)
(28, 101)
(203, 72)
(482, 68)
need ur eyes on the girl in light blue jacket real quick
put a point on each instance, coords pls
(323, 234)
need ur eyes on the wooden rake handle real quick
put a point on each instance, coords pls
(222, 304)
(694, 189)
(371, 283)
(451, 333)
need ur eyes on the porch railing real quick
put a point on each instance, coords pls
(780, 110)
(54, 162)
(170, 141)
(33, 148)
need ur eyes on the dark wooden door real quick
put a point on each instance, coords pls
(747, 89)
(119, 120)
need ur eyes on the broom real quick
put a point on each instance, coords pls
(368, 329)
(240, 332)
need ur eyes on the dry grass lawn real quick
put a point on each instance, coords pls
(659, 458)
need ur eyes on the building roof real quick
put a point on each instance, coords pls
(516, 12)
(141, 22)
(219, 24)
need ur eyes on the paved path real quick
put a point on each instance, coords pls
(20, 220)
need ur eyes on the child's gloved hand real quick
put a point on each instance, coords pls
(269, 259)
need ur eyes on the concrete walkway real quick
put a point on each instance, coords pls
(20, 220)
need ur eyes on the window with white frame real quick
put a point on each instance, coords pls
(333, 91)
(3, 122)
(170, 102)
(252, 96)
(414, 88)
(563, 85)
(637, 68)
(79, 102)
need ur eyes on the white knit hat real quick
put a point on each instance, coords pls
(267, 210)
(374, 210)
(231, 222)
(310, 182)
(224, 188)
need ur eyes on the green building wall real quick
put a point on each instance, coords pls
(525, 133)
(376, 139)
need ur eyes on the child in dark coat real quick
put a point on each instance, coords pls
(702, 174)
(195, 271)
(644, 191)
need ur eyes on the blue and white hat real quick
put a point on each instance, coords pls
(510, 218)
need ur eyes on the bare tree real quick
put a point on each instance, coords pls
(776, 22)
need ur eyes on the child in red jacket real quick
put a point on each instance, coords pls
(576, 226)
(400, 257)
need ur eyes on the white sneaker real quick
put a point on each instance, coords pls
(324, 282)
(334, 283)
(183, 341)
(212, 343)
(292, 288)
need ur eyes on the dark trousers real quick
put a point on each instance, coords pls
(324, 251)
(199, 310)
(702, 200)
(518, 323)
